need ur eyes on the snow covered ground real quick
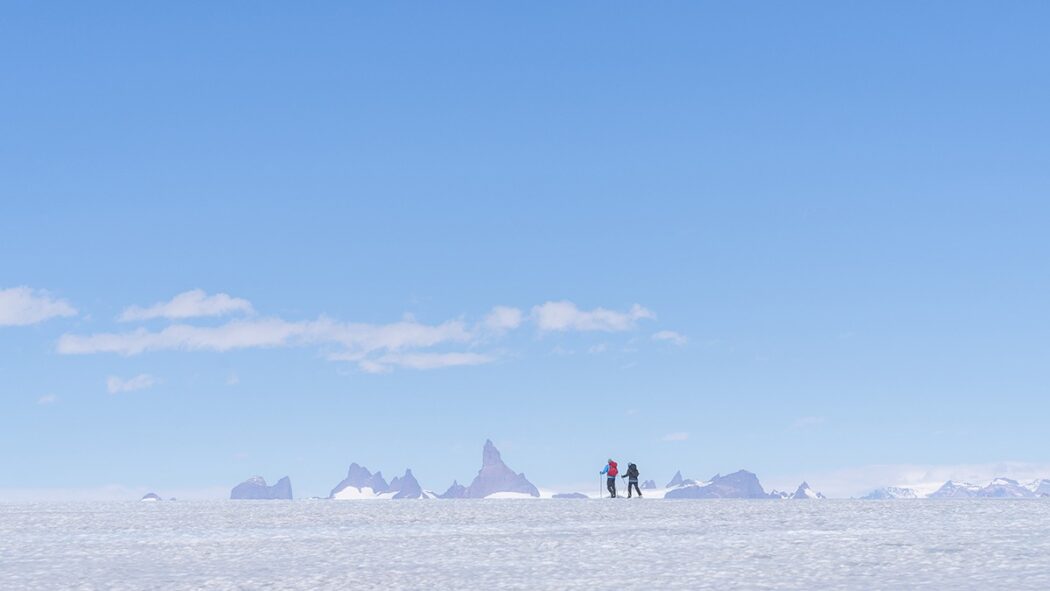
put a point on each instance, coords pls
(528, 544)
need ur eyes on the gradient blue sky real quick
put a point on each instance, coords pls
(842, 208)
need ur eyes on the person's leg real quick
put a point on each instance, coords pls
(628, 489)
(611, 485)
(637, 490)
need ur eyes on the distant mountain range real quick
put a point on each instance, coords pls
(738, 485)
(1000, 488)
(360, 484)
(496, 480)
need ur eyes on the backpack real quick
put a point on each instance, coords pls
(632, 470)
(613, 470)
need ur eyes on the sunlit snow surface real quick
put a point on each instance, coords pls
(536, 544)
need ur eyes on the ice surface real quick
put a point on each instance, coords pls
(533, 544)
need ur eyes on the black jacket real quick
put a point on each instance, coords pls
(632, 472)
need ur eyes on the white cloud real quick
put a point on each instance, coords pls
(369, 366)
(423, 361)
(375, 348)
(361, 343)
(47, 400)
(358, 339)
(503, 318)
(670, 336)
(115, 385)
(236, 334)
(190, 304)
(597, 349)
(396, 336)
(22, 306)
(565, 316)
(680, 436)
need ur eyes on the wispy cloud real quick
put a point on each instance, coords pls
(238, 334)
(47, 400)
(22, 306)
(375, 348)
(503, 318)
(679, 436)
(190, 304)
(670, 336)
(423, 361)
(363, 339)
(360, 343)
(116, 385)
(566, 316)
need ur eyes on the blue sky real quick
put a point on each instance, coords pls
(834, 214)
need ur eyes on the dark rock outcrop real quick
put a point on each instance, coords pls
(151, 497)
(456, 491)
(406, 487)
(360, 477)
(676, 481)
(956, 490)
(255, 488)
(738, 485)
(649, 484)
(497, 477)
(573, 495)
(805, 492)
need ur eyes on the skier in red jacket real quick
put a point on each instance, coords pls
(611, 471)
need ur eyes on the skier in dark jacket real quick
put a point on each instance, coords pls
(632, 480)
(611, 470)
